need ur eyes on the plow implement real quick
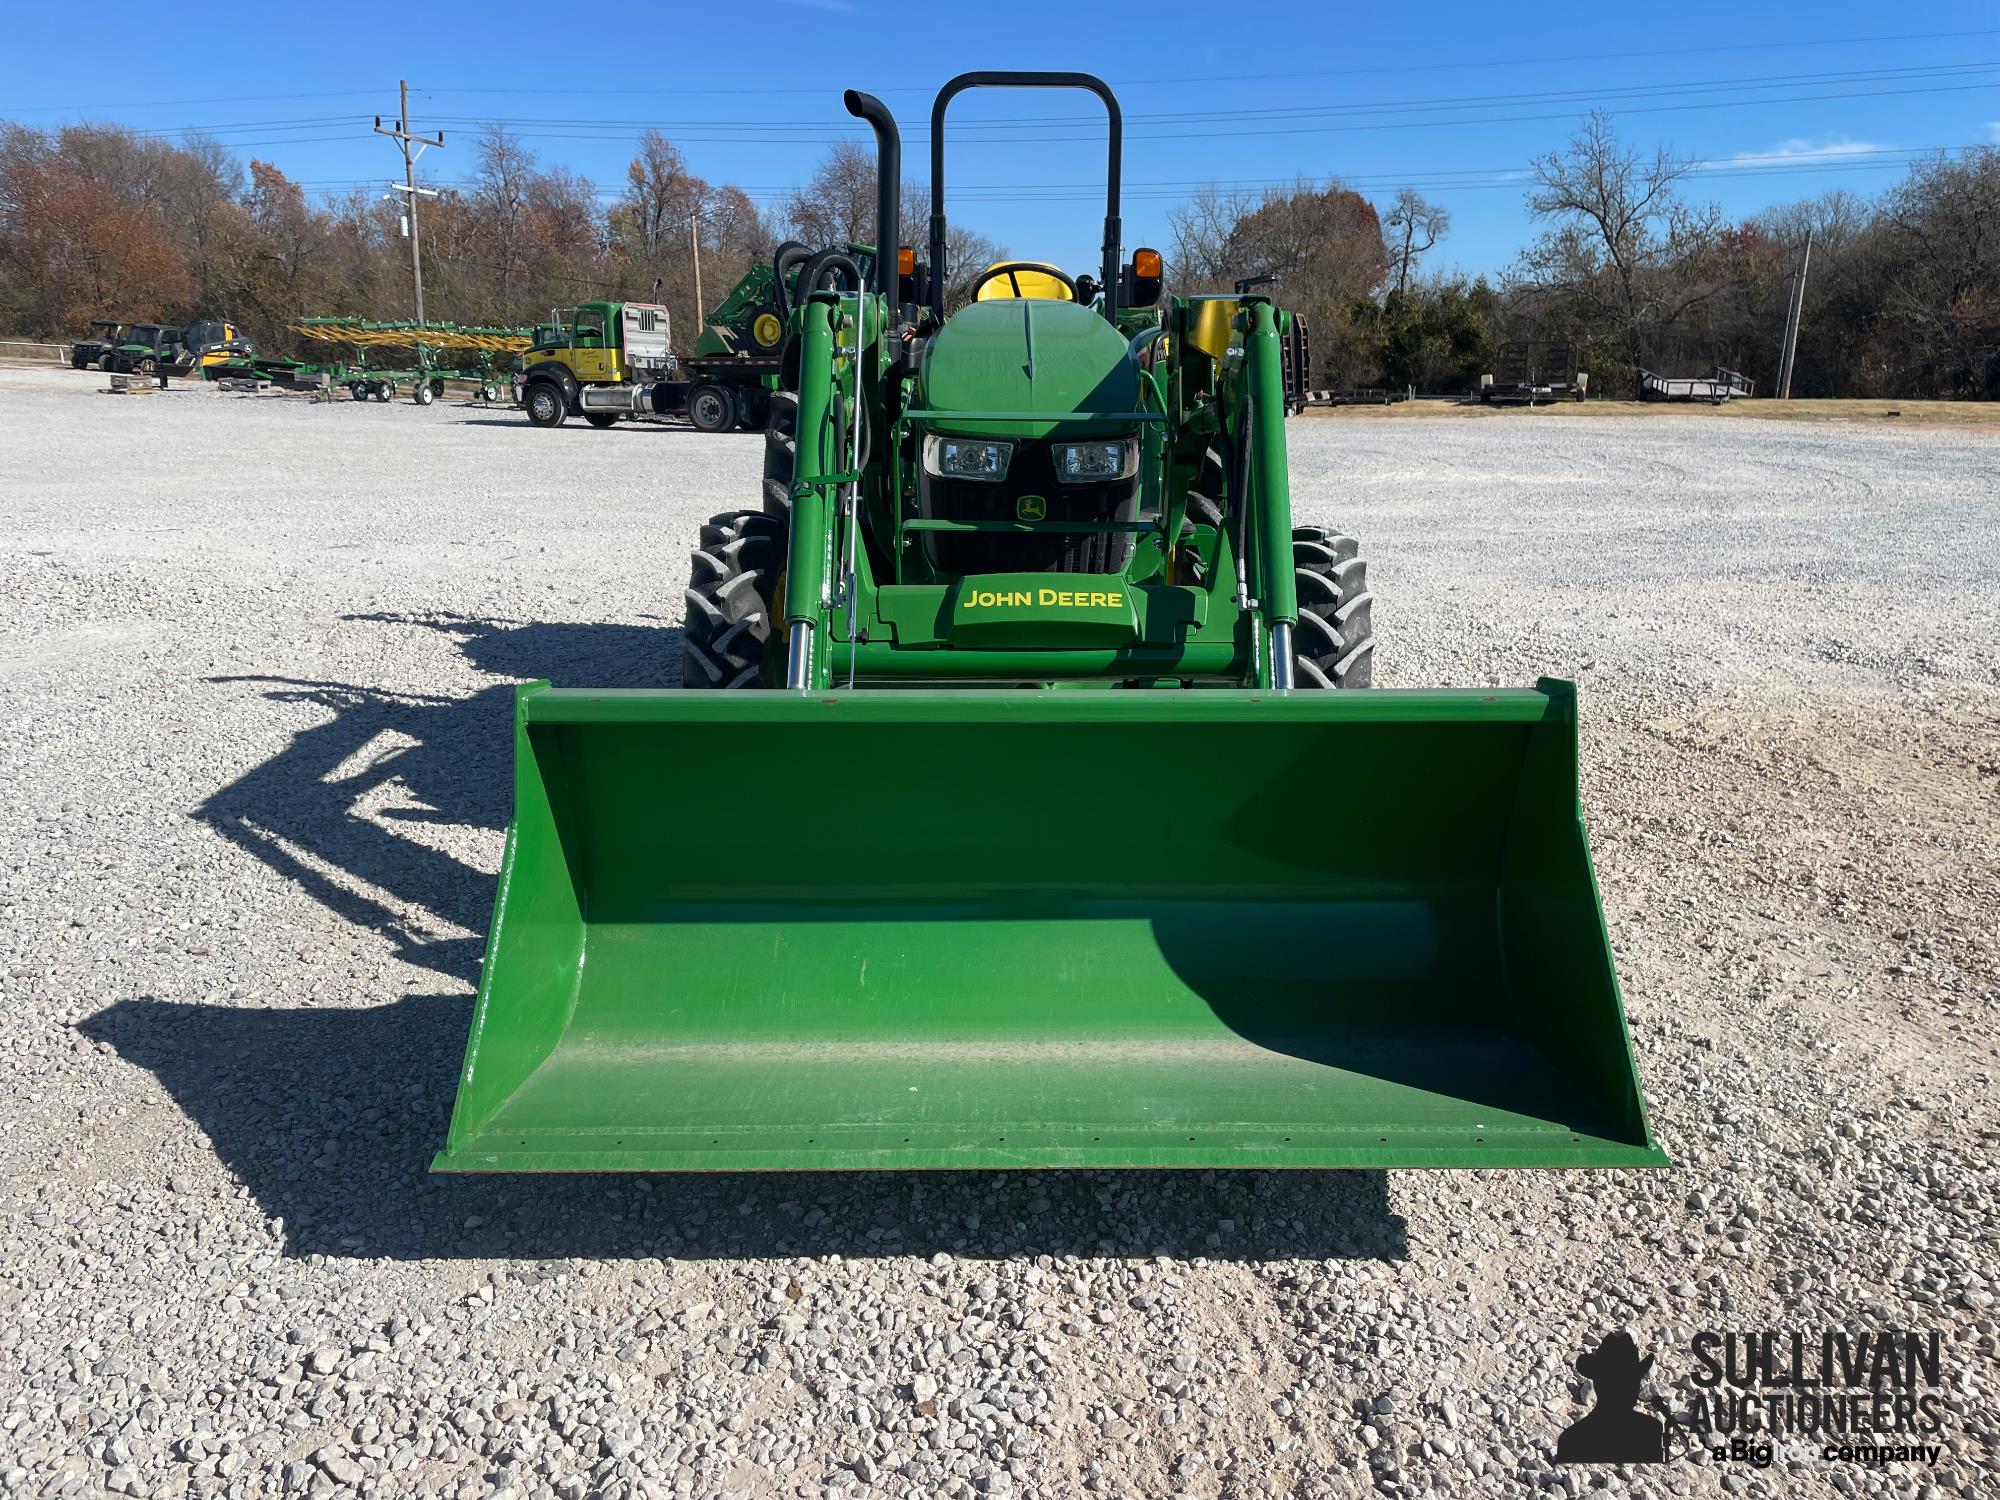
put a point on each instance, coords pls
(444, 351)
(1014, 969)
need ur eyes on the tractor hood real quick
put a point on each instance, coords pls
(1028, 356)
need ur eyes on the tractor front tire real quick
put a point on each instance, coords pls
(546, 402)
(727, 637)
(1333, 644)
(711, 408)
(781, 454)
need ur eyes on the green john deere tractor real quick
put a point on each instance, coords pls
(1030, 807)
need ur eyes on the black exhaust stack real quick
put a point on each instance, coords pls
(888, 185)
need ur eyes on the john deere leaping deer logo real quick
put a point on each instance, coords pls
(1031, 508)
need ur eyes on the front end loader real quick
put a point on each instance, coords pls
(1027, 803)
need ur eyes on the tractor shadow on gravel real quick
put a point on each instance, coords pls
(330, 1118)
(327, 812)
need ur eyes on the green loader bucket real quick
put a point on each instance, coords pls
(1005, 929)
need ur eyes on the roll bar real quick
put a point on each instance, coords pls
(1112, 228)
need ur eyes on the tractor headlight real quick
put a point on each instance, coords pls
(967, 458)
(1097, 462)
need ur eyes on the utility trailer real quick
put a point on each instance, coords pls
(1529, 372)
(1360, 395)
(1723, 385)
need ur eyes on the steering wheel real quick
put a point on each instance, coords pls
(1011, 268)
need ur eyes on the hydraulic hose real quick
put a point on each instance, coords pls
(787, 255)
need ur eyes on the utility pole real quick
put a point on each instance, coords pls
(694, 235)
(412, 147)
(1795, 306)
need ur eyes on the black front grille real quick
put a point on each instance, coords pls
(1031, 473)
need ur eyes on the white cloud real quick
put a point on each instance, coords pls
(1993, 131)
(1806, 148)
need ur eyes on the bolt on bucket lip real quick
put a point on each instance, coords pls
(942, 929)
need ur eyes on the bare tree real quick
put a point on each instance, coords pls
(660, 197)
(1205, 253)
(1944, 296)
(501, 183)
(1415, 224)
(1322, 243)
(837, 203)
(1623, 249)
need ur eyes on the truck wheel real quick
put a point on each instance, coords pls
(726, 637)
(546, 403)
(781, 455)
(1333, 645)
(711, 408)
(601, 418)
(753, 409)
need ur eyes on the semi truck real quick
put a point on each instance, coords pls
(605, 360)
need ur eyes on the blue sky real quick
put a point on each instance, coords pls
(1780, 101)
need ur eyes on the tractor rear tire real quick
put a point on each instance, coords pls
(711, 408)
(1333, 644)
(727, 635)
(601, 418)
(781, 455)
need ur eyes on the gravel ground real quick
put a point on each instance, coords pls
(255, 657)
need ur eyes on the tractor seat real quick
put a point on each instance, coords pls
(1030, 286)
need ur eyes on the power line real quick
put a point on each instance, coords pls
(1793, 44)
(1293, 130)
(1460, 101)
(842, 129)
(1433, 179)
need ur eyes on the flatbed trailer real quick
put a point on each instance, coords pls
(1723, 385)
(1534, 372)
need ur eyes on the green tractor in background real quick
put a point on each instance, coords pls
(1028, 806)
